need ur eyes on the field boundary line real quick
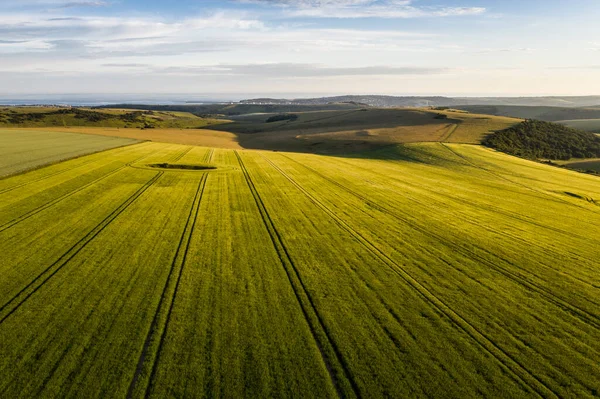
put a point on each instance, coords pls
(511, 364)
(333, 360)
(518, 278)
(65, 170)
(55, 201)
(55, 267)
(45, 177)
(159, 325)
(45, 165)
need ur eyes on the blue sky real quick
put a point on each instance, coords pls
(300, 47)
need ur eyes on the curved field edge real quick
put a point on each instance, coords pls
(27, 150)
(424, 270)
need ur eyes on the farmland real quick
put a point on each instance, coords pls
(321, 132)
(27, 149)
(416, 270)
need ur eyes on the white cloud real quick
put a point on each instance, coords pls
(364, 9)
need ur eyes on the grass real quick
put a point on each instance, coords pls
(331, 132)
(472, 128)
(200, 137)
(583, 164)
(543, 113)
(338, 131)
(27, 149)
(589, 125)
(31, 117)
(416, 270)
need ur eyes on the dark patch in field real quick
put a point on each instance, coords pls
(574, 195)
(182, 166)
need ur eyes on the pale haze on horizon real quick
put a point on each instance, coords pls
(271, 47)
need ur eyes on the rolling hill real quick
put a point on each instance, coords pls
(544, 140)
(108, 118)
(324, 131)
(543, 113)
(413, 270)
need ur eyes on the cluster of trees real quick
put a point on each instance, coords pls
(282, 117)
(77, 113)
(544, 140)
(16, 119)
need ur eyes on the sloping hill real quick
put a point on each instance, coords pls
(23, 150)
(436, 101)
(548, 114)
(329, 132)
(544, 140)
(589, 125)
(424, 270)
(85, 117)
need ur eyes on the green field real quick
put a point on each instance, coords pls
(543, 113)
(418, 270)
(589, 125)
(23, 150)
(585, 164)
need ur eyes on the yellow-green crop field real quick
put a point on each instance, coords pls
(422, 270)
(22, 150)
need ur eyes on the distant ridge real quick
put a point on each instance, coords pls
(433, 101)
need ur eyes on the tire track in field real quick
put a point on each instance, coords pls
(55, 201)
(184, 153)
(45, 177)
(453, 128)
(473, 204)
(336, 365)
(515, 367)
(148, 361)
(65, 170)
(17, 300)
(484, 208)
(555, 198)
(209, 156)
(525, 282)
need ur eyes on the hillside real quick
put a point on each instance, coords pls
(434, 101)
(543, 113)
(416, 270)
(589, 125)
(329, 132)
(323, 132)
(23, 150)
(85, 117)
(234, 109)
(544, 140)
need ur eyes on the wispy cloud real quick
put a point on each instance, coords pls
(73, 4)
(295, 70)
(364, 9)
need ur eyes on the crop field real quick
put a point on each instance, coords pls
(27, 149)
(424, 270)
(197, 137)
(323, 132)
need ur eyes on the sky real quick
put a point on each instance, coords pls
(299, 48)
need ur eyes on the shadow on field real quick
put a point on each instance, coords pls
(339, 132)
